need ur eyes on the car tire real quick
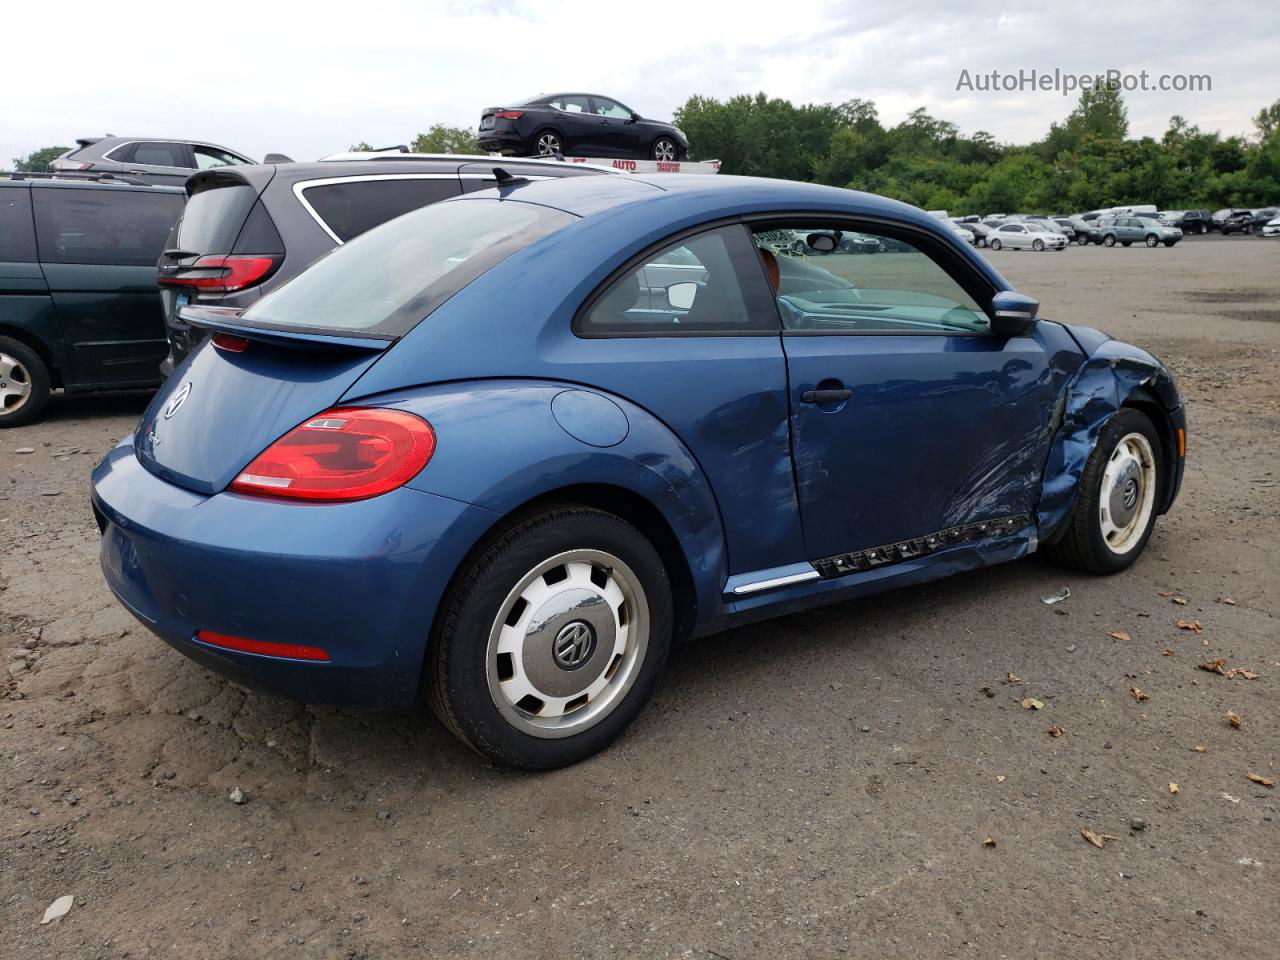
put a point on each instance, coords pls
(1128, 449)
(567, 582)
(24, 384)
(665, 149)
(1203, 230)
(1108, 241)
(996, 244)
(1037, 245)
(1152, 240)
(547, 143)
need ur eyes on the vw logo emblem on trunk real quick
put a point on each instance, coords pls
(177, 400)
(575, 643)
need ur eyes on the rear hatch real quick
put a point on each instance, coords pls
(222, 249)
(295, 353)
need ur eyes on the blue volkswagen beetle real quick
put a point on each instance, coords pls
(501, 452)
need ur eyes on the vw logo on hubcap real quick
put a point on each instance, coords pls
(1131, 494)
(575, 643)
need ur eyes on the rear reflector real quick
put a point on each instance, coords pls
(220, 274)
(289, 651)
(509, 114)
(347, 453)
(1182, 443)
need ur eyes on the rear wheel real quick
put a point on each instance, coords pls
(1109, 241)
(548, 143)
(552, 639)
(24, 384)
(664, 148)
(1116, 503)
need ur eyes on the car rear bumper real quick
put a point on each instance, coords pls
(360, 580)
(502, 141)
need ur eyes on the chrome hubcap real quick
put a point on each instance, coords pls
(548, 144)
(567, 643)
(15, 384)
(1128, 493)
(664, 150)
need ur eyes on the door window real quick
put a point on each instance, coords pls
(706, 284)
(17, 240)
(350, 207)
(210, 157)
(572, 104)
(159, 155)
(843, 281)
(611, 108)
(104, 225)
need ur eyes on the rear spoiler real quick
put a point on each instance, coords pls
(227, 320)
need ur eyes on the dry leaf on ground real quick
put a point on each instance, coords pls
(1167, 653)
(1193, 625)
(1216, 665)
(989, 841)
(1235, 719)
(1247, 674)
(1173, 788)
(1180, 601)
(1258, 778)
(1198, 749)
(1121, 636)
(1094, 838)
(1139, 695)
(1031, 703)
(1055, 730)
(1012, 678)
(1164, 593)
(1001, 778)
(1227, 600)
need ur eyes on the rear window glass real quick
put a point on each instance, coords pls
(102, 225)
(350, 208)
(214, 216)
(385, 281)
(17, 239)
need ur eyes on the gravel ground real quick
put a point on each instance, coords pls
(818, 786)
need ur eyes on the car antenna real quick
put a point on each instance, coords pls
(507, 180)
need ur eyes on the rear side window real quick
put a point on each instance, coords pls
(17, 239)
(157, 155)
(214, 216)
(102, 225)
(348, 208)
(384, 282)
(209, 157)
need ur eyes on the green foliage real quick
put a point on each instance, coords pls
(1084, 162)
(38, 160)
(443, 139)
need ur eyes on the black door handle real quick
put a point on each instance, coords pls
(826, 396)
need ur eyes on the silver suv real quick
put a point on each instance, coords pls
(1128, 230)
(152, 159)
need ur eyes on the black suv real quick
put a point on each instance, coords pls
(78, 304)
(248, 229)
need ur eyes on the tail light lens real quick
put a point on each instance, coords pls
(219, 274)
(347, 453)
(509, 114)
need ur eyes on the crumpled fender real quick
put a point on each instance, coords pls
(501, 443)
(1115, 374)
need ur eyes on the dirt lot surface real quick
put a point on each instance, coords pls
(818, 786)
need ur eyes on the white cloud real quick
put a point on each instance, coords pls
(310, 78)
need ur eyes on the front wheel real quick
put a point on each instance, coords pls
(664, 148)
(1108, 241)
(1037, 245)
(24, 384)
(552, 639)
(1153, 240)
(995, 244)
(1116, 501)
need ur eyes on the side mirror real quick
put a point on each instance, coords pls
(1012, 313)
(680, 296)
(635, 117)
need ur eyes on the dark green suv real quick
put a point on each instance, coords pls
(79, 307)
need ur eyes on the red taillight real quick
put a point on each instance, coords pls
(221, 274)
(225, 341)
(348, 453)
(290, 651)
(509, 114)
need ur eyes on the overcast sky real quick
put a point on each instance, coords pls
(308, 79)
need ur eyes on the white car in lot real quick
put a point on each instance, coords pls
(1271, 228)
(959, 231)
(1026, 235)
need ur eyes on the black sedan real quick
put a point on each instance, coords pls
(584, 124)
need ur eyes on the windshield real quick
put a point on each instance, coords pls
(385, 281)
